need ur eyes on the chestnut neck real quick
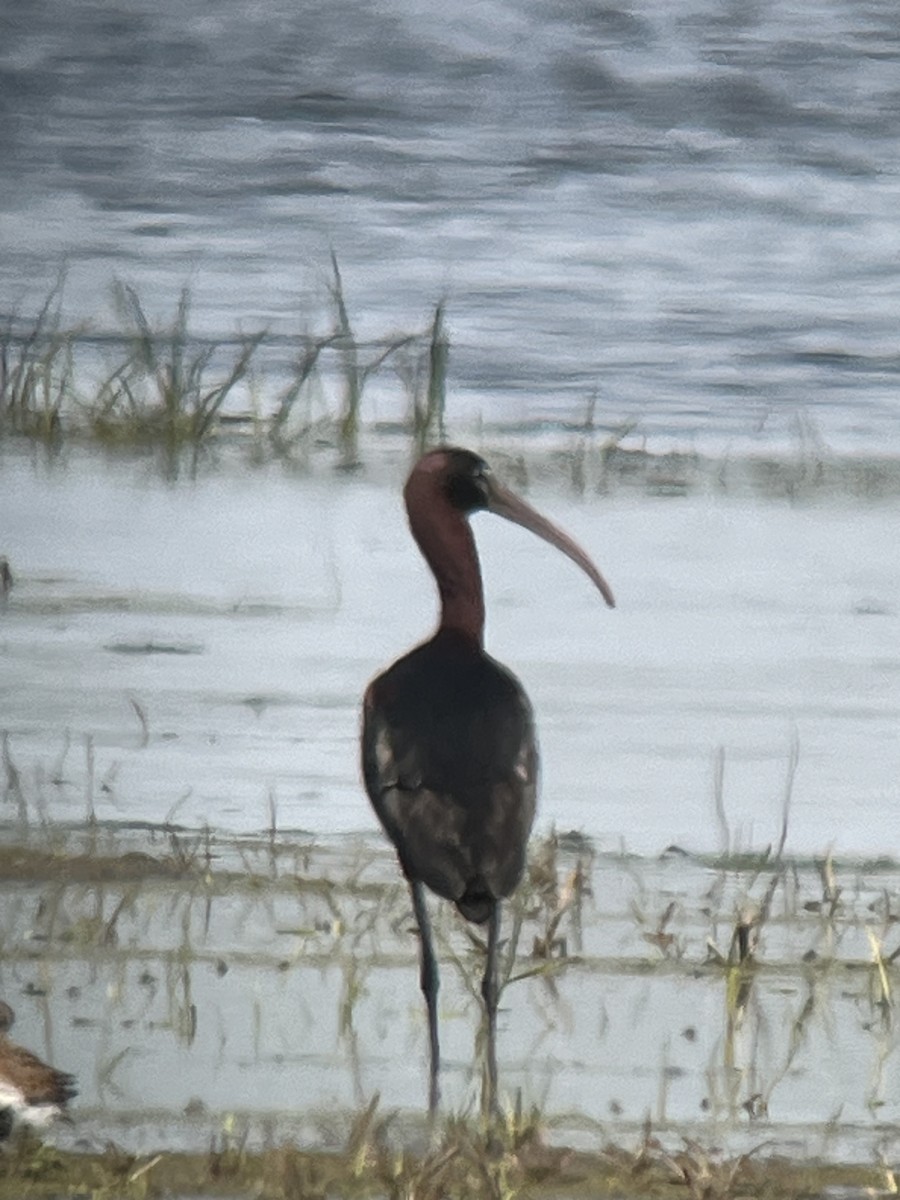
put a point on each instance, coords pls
(445, 539)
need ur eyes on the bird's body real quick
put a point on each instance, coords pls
(452, 770)
(449, 752)
(31, 1092)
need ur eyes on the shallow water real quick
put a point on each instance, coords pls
(197, 652)
(683, 209)
(191, 655)
(273, 1003)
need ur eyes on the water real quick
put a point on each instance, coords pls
(198, 653)
(272, 1003)
(686, 206)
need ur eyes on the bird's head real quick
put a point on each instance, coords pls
(466, 482)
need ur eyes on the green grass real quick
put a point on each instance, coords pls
(167, 392)
(36, 372)
(164, 392)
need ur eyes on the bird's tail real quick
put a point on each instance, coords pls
(477, 902)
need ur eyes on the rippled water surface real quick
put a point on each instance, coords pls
(684, 205)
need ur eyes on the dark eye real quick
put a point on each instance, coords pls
(468, 490)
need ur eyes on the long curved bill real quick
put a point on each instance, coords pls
(507, 504)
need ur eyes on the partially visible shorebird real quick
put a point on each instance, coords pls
(449, 752)
(6, 578)
(31, 1092)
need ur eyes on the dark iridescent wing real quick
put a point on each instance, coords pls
(450, 765)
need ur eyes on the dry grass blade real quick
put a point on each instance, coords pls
(128, 304)
(793, 763)
(303, 373)
(428, 419)
(423, 373)
(211, 401)
(706, 1173)
(438, 355)
(13, 792)
(364, 1134)
(144, 723)
(719, 799)
(36, 371)
(354, 375)
(759, 1104)
(667, 943)
(883, 997)
(348, 427)
(580, 450)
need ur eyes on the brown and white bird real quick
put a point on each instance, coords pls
(31, 1092)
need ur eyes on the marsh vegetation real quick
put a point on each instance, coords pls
(153, 387)
(242, 1009)
(158, 387)
(243, 1013)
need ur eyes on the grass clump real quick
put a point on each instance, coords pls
(340, 360)
(167, 389)
(36, 372)
(461, 1163)
(354, 374)
(161, 394)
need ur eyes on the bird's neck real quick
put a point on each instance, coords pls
(445, 539)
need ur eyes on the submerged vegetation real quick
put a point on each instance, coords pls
(673, 1027)
(692, 999)
(145, 387)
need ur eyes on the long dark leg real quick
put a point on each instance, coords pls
(490, 990)
(430, 982)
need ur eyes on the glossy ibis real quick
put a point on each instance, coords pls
(31, 1092)
(449, 754)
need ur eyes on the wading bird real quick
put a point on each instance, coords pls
(31, 1092)
(449, 753)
